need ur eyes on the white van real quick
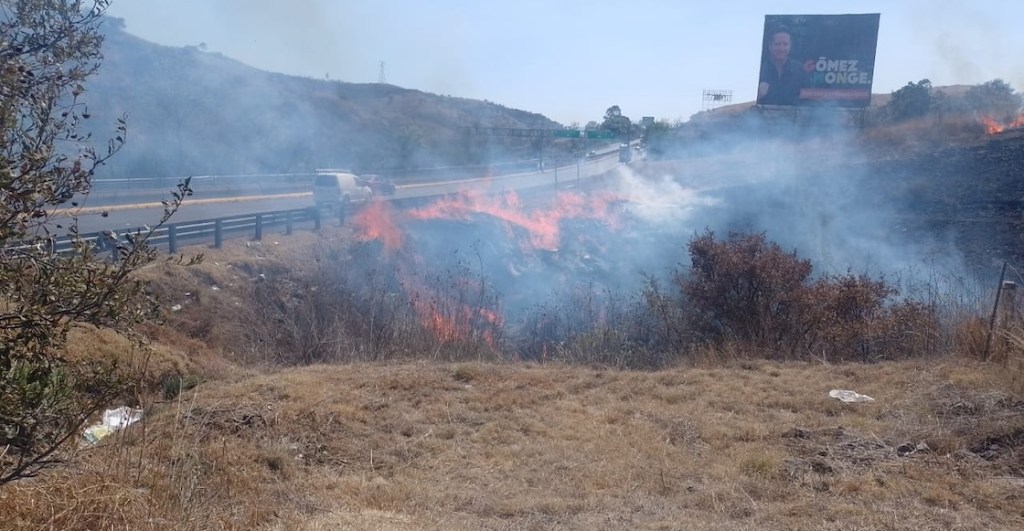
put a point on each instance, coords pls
(339, 189)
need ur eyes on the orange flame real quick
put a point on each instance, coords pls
(993, 127)
(377, 222)
(543, 226)
(457, 322)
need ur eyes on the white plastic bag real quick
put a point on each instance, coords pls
(113, 420)
(849, 396)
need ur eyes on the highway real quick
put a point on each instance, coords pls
(94, 216)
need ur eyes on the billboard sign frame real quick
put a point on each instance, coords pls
(824, 60)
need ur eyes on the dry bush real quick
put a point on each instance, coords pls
(356, 304)
(743, 288)
(746, 290)
(594, 326)
(1014, 360)
(856, 318)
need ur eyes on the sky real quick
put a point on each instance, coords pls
(571, 60)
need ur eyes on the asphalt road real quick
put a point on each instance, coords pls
(123, 217)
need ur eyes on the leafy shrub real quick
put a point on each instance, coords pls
(49, 48)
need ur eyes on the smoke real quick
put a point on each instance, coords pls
(661, 201)
(815, 193)
(814, 190)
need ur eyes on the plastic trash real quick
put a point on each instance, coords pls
(849, 396)
(113, 420)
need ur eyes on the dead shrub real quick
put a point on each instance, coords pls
(358, 304)
(744, 288)
(595, 326)
(747, 290)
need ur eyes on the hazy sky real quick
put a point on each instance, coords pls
(572, 59)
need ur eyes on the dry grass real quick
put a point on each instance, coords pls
(479, 446)
(927, 133)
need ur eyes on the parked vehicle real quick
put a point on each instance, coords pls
(377, 184)
(339, 190)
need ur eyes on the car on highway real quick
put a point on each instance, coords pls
(339, 190)
(377, 184)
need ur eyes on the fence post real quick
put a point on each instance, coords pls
(259, 227)
(172, 238)
(218, 234)
(288, 223)
(1007, 311)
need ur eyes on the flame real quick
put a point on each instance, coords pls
(449, 318)
(377, 222)
(542, 226)
(993, 127)
(450, 321)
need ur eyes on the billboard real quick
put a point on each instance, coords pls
(818, 60)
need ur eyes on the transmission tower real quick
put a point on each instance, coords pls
(380, 77)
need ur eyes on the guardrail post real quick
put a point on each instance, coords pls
(172, 238)
(288, 223)
(115, 253)
(218, 234)
(259, 227)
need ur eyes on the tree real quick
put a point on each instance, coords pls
(995, 98)
(912, 101)
(657, 137)
(616, 122)
(48, 48)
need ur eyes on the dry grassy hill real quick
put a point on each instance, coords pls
(233, 440)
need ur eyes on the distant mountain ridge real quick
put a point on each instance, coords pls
(192, 112)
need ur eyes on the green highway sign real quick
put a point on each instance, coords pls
(566, 133)
(595, 133)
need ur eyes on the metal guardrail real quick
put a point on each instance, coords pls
(172, 235)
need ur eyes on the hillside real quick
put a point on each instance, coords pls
(192, 113)
(429, 440)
